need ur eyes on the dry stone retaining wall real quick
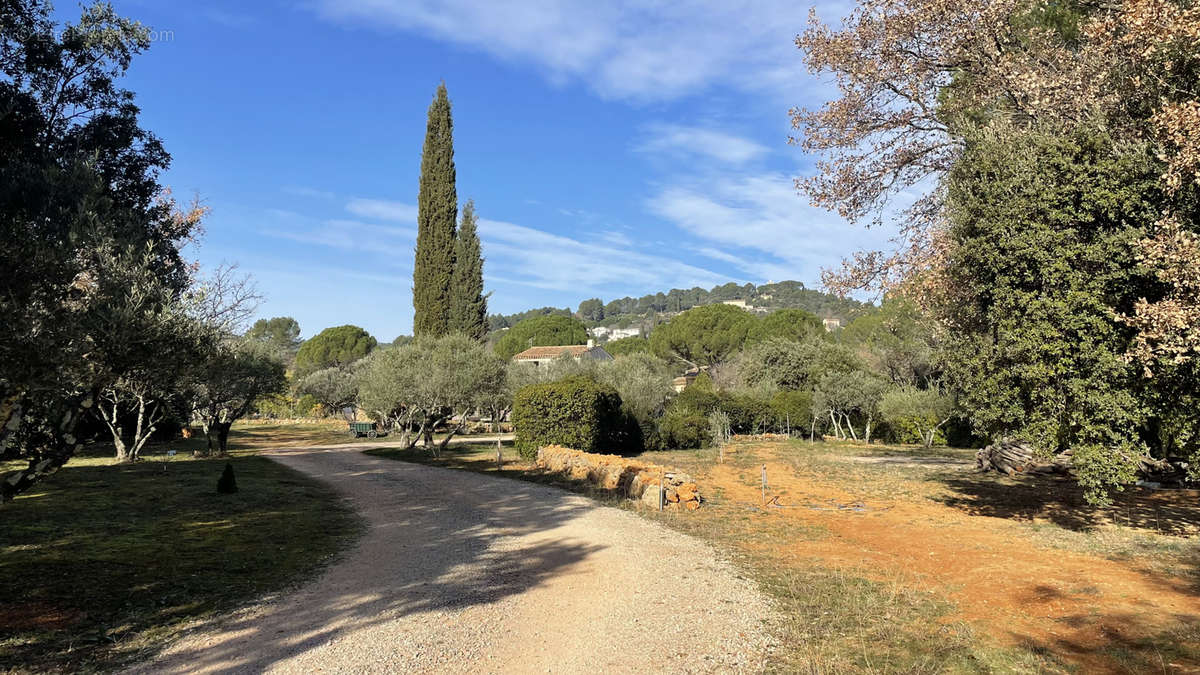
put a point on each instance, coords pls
(635, 479)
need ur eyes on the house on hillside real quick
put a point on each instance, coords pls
(685, 380)
(832, 324)
(682, 382)
(540, 356)
(614, 333)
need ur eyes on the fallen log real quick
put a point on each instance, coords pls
(1007, 457)
(1012, 457)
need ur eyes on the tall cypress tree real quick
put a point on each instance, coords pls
(437, 211)
(468, 304)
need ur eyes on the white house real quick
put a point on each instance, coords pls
(615, 333)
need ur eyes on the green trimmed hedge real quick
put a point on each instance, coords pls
(576, 412)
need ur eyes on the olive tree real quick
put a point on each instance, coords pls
(430, 381)
(228, 383)
(334, 388)
(847, 396)
(136, 402)
(644, 382)
(924, 411)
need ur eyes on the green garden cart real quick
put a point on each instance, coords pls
(368, 429)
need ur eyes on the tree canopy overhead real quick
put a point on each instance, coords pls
(88, 235)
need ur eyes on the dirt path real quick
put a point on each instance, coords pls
(468, 573)
(1070, 603)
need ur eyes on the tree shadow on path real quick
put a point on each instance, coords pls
(436, 540)
(1060, 500)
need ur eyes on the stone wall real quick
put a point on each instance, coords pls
(630, 477)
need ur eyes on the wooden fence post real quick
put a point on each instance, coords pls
(764, 485)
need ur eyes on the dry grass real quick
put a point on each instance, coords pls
(873, 610)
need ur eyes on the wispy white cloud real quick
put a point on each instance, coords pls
(628, 49)
(383, 210)
(616, 238)
(360, 228)
(526, 256)
(550, 261)
(364, 239)
(759, 223)
(681, 140)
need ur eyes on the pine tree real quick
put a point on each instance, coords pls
(468, 304)
(437, 211)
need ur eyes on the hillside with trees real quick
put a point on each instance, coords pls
(649, 310)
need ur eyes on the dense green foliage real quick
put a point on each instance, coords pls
(627, 311)
(89, 242)
(898, 341)
(468, 302)
(789, 324)
(576, 412)
(281, 333)
(421, 385)
(794, 408)
(917, 415)
(1043, 229)
(626, 346)
(498, 322)
(591, 310)
(541, 331)
(703, 336)
(333, 347)
(437, 213)
(684, 429)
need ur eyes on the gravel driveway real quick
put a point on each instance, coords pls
(461, 572)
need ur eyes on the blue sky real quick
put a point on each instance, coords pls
(612, 148)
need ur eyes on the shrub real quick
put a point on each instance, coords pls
(794, 407)
(748, 414)
(911, 430)
(576, 412)
(627, 346)
(526, 450)
(718, 428)
(684, 429)
(695, 399)
(917, 416)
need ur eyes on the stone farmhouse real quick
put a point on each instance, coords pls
(540, 356)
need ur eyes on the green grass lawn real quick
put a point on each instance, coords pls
(101, 564)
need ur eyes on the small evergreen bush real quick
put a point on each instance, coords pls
(576, 412)
(683, 429)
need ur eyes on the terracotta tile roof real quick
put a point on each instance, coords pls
(551, 352)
